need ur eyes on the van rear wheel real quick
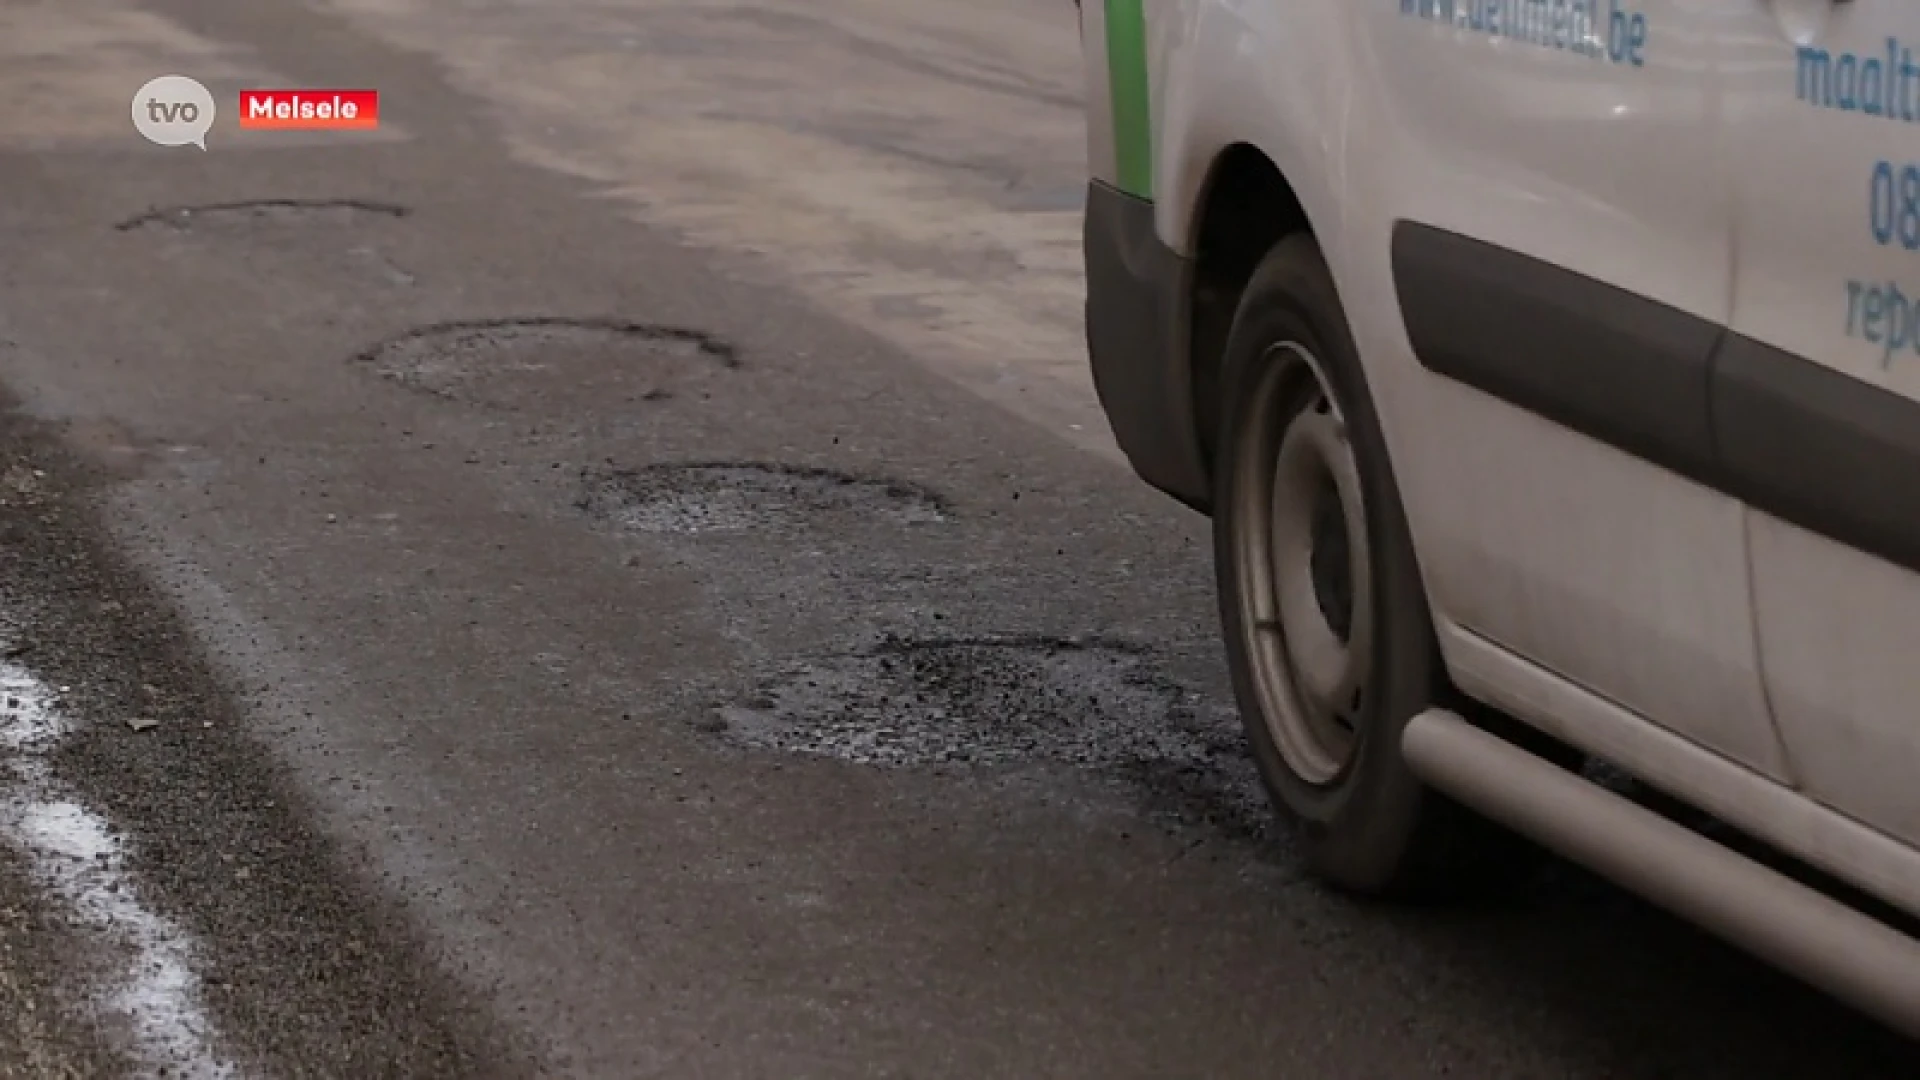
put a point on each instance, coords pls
(1328, 633)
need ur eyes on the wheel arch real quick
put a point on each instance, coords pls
(1245, 206)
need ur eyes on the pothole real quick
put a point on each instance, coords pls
(994, 702)
(505, 362)
(708, 497)
(263, 212)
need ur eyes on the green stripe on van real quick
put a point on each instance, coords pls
(1127, 82)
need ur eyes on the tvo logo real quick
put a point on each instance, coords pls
(174, 110)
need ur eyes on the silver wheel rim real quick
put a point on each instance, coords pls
(1302, 566)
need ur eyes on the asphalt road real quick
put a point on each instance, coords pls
(619, 573)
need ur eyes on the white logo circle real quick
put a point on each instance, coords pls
(174, 110)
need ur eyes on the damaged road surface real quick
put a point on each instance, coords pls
(162, 888)
(507, 595)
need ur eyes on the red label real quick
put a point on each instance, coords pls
(310, 110)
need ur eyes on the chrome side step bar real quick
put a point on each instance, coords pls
(1850, 955)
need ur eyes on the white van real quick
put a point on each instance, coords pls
(1551, 372)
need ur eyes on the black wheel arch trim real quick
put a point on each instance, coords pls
(1137, 329)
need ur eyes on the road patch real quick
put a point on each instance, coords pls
(1094, 706)
(500, 363)
(707, 497)
(262, 212)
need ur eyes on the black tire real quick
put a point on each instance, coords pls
(1368, 825)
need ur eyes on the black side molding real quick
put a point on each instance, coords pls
(1577, 351)
(1793, 438)
(1829, 453)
